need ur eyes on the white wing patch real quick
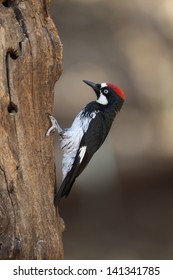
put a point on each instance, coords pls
(93, 115)
(82, 152)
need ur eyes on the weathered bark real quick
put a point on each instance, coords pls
(30, 64)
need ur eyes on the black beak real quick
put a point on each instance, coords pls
(96, 87)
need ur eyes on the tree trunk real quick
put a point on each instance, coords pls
(30, 64)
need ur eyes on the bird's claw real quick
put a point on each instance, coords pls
(53, 126)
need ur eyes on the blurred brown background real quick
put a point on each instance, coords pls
(121, 206)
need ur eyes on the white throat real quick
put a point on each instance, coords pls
(102, 99)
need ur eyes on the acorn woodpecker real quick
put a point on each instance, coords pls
(87, 133)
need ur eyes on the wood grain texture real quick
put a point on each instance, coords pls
(30, 64)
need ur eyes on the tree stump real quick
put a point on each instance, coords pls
(30, 64)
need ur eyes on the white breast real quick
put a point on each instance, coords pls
(71, 139)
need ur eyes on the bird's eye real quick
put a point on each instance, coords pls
(105, 91)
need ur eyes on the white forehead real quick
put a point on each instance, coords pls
(103, 85)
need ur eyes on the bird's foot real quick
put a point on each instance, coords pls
(54, 126)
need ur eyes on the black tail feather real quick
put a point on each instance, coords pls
(64, 189)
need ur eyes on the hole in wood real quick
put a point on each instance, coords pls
(6, 3)
(12, 109)
(13, 53)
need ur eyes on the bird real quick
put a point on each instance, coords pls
(86, 134)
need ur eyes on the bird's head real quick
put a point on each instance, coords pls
(107, 93)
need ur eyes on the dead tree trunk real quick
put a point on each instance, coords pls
(30, 64)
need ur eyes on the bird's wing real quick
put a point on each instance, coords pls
(90, 143)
